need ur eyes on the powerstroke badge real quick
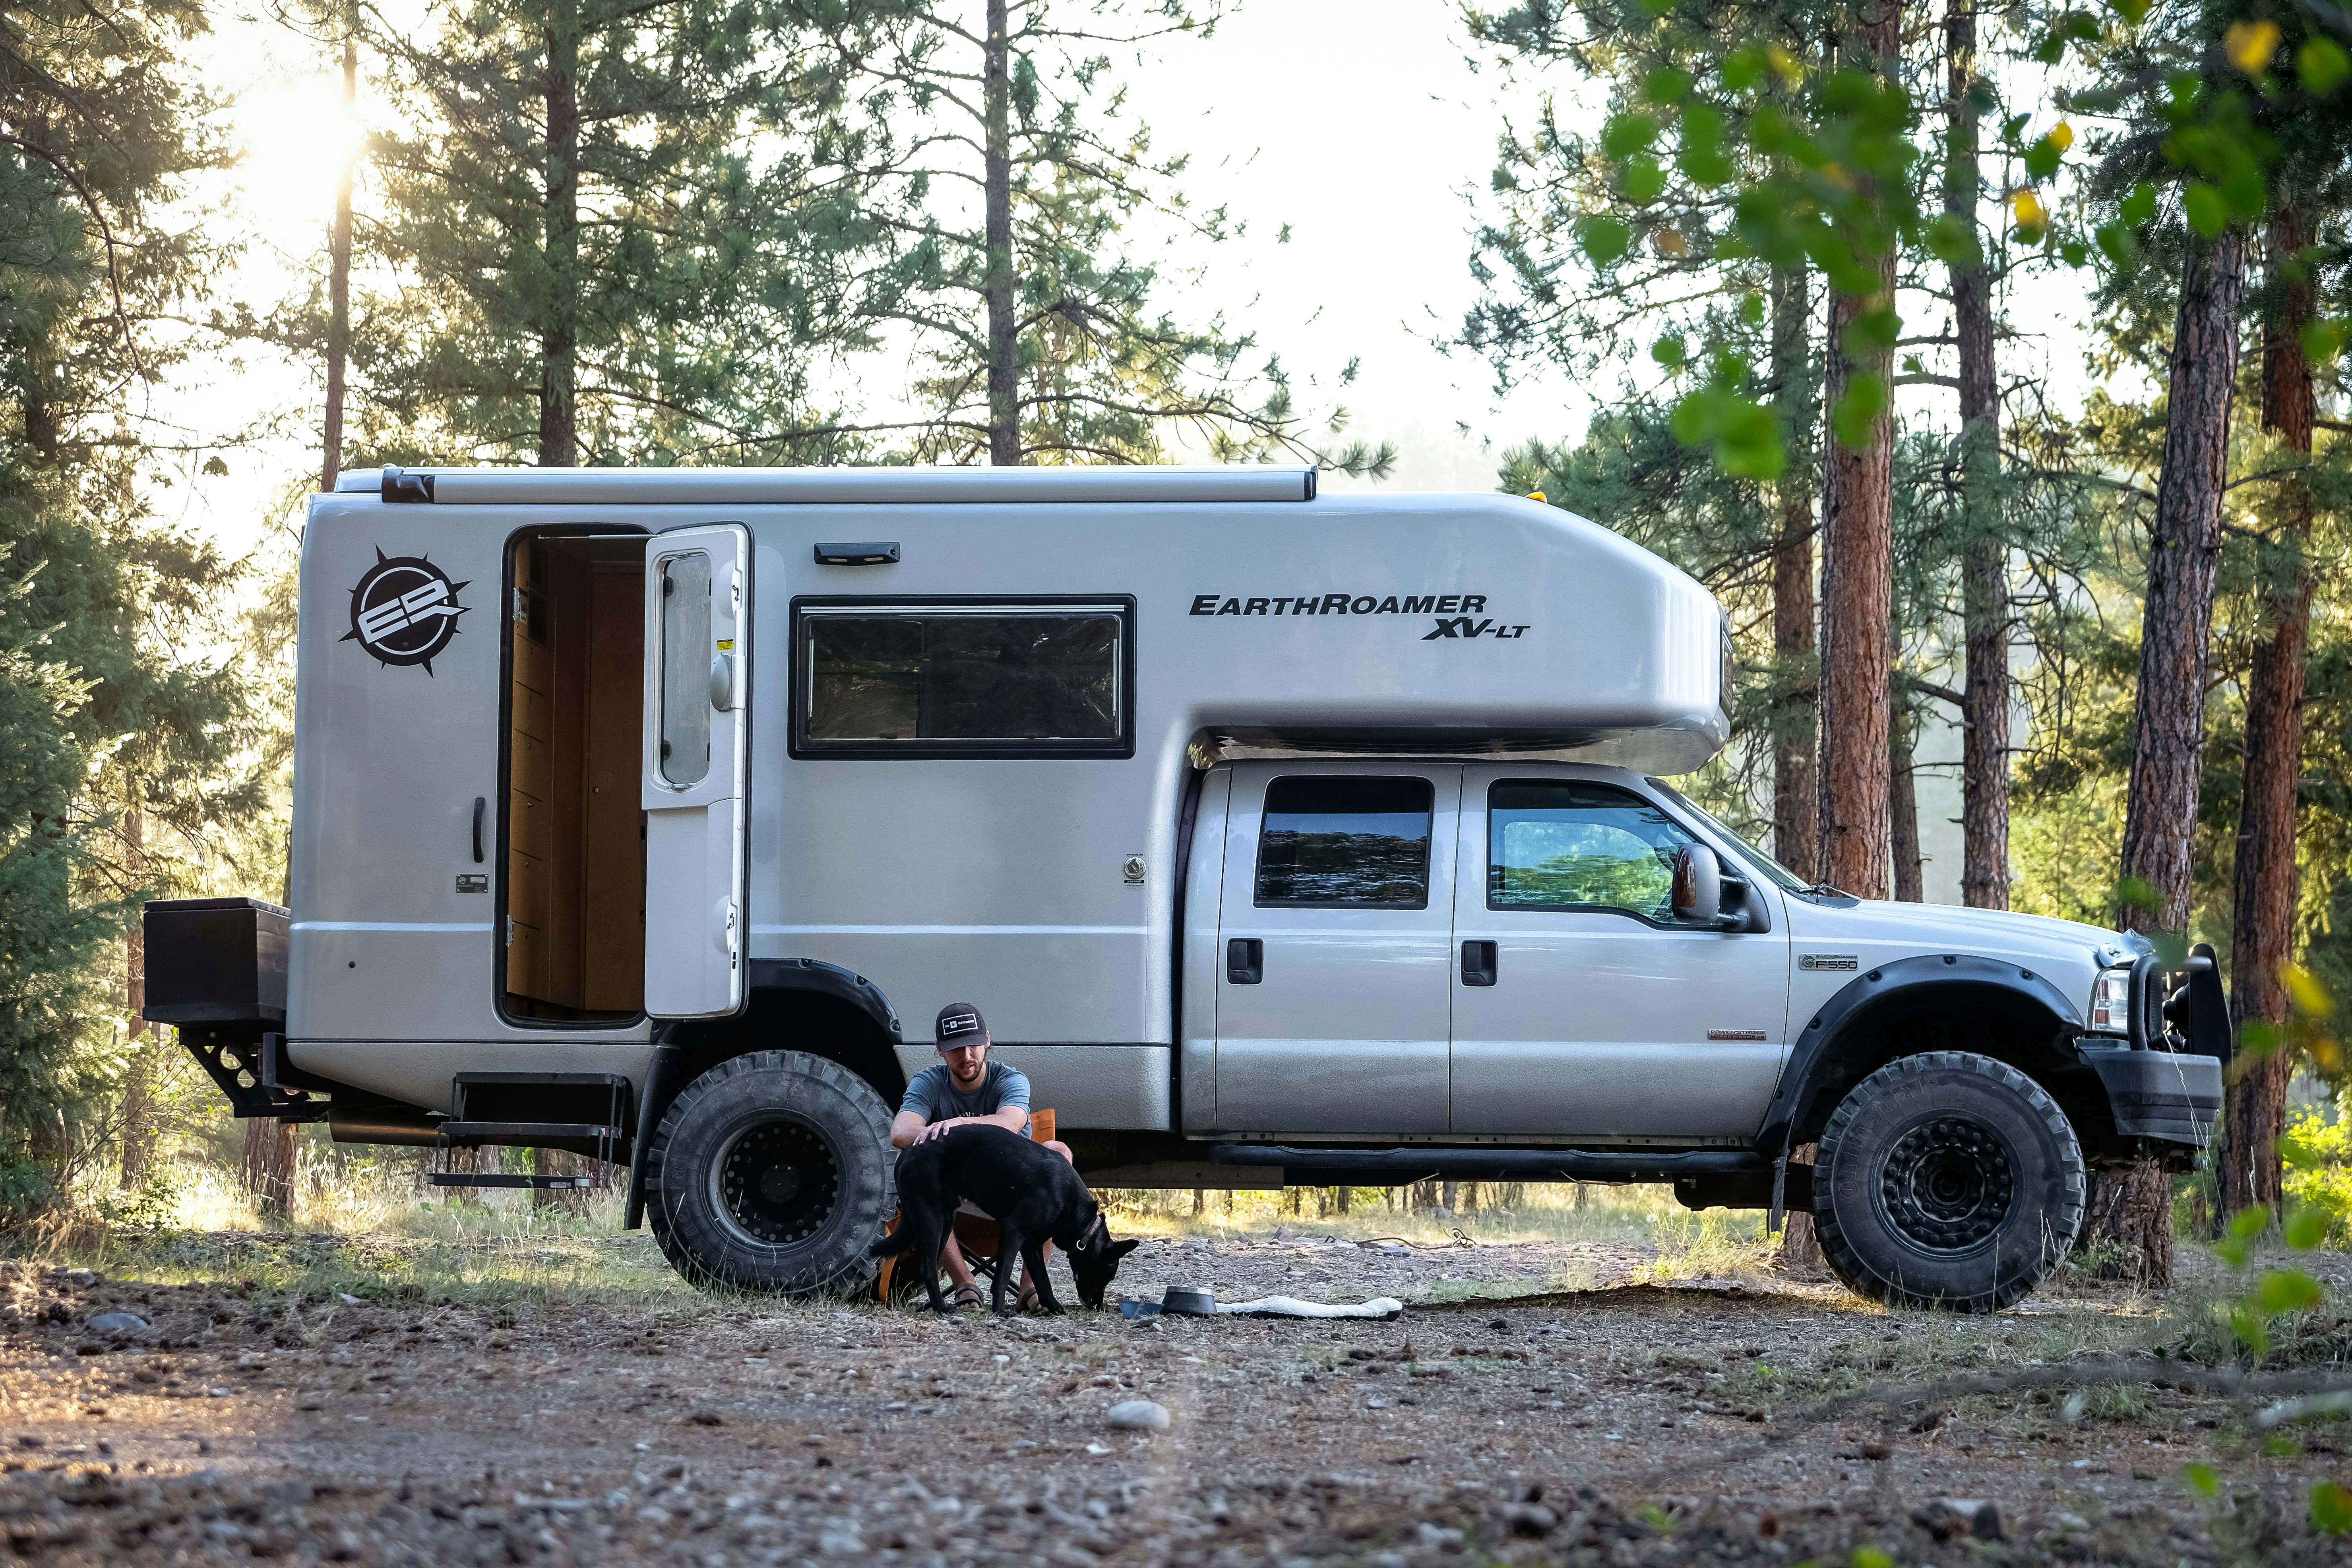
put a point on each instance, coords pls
(1456, 614)
(404, 610)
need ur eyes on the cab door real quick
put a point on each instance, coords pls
(1582, 1006)
(1332, 963)
(697, 768)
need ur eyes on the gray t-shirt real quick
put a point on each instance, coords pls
(932, 1094)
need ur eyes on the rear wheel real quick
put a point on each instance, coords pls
(1946, 1179)
(773, 1172)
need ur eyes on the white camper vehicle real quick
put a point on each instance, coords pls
(1280, 836)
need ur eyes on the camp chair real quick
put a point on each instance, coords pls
(900, 1282)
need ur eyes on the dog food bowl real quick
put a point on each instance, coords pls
(1186, 1301)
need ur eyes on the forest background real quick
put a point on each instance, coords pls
(1987, 364)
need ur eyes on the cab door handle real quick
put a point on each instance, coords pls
(1478, 962)
(1244, 960)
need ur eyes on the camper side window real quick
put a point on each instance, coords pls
(1362, 841)
(948, 681)
(1569, 845)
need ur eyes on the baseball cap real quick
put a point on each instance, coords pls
(960, 1025)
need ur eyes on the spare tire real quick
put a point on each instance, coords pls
(1946, 1179)
(773, 1172)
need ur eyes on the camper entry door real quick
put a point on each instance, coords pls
(697, 768)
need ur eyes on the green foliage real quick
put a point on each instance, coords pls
(2331, 1508)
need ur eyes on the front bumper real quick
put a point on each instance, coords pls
(2171, 1097)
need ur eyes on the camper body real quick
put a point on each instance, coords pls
(1278, 836)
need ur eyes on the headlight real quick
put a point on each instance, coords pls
(2111, 1001)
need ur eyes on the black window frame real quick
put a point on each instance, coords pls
(1429, 864)
(800, 747)
(1487, 853)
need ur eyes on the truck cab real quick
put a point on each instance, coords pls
(1281, 837)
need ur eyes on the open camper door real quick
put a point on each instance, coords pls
(697, 768)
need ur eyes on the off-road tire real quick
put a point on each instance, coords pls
(1949, 1180)
(773, 1171)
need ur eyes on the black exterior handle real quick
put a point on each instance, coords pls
(481, 805)
(1478, 962)
(1244, 960)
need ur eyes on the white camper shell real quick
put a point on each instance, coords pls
(1252, 820)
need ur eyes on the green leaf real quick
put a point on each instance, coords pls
(2251, 1332)
(2257, 1037)
(2141, 206)
(1706, 165)
(1876, 329)
(1605, 240)
(2131, 10)
(1666, 85)
(2075, 252)
(2286, 1290)
(2321, 66)
(1856, 418)
(2201, 1479)
(1626, 134)
(1743, 69)
(2331, 1508)
(2232, 1251)
(2012, 125)
(1751, 309)
(2118, 242)
(2209, 214)
(2051, 49)
(2041, 159)
(1952, 241)
(2279, 1448)
(2250, 1223)
(1870, 1557)
(1669, 352)
(2307, 1230)
(1644, 180)
(2322, 342)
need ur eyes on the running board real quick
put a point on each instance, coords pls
(472, 1179)
(1395, 1166)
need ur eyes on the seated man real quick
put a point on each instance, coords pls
(965, 1090)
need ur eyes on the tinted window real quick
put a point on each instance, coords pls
(685, 654)
(1566, 845)
(1345, 841)
(1007, 677)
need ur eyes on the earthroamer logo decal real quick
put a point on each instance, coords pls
(404, 610)
(1457, 615)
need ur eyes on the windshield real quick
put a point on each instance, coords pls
(1748, 852)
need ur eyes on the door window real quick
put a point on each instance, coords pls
(685, 654)
(1564, 843)
(1356, 841)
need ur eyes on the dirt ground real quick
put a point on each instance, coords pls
(1586, 1420)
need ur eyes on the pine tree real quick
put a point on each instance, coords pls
(611, 242)
(994, 145)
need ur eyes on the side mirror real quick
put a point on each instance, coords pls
(1698, 886)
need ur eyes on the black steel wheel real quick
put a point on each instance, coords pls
(773, 1172)
(1946, 1179)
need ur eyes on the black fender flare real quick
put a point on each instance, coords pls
(665, 1075)
(1804, 1078)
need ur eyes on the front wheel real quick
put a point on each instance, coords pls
(773, 1172)
(1946, 1179)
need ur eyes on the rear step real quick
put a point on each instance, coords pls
(604, 1096)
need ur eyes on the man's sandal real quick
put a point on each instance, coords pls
(1028, 1302)
(964, 1296)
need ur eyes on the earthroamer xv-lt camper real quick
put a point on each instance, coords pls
(1279, 836)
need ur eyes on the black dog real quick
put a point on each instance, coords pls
(1032, 1192)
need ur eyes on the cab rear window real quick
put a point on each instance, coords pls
(1345, 840)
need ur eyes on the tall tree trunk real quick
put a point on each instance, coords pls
(559, 407)
(1984, 557)
(2124, 1219)
(1004, 387)
(338, 281)
(1795, 810)
(2262, 925)
(1858, 574)
(269, 1164)
(1903, 815)
(138, 1099)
